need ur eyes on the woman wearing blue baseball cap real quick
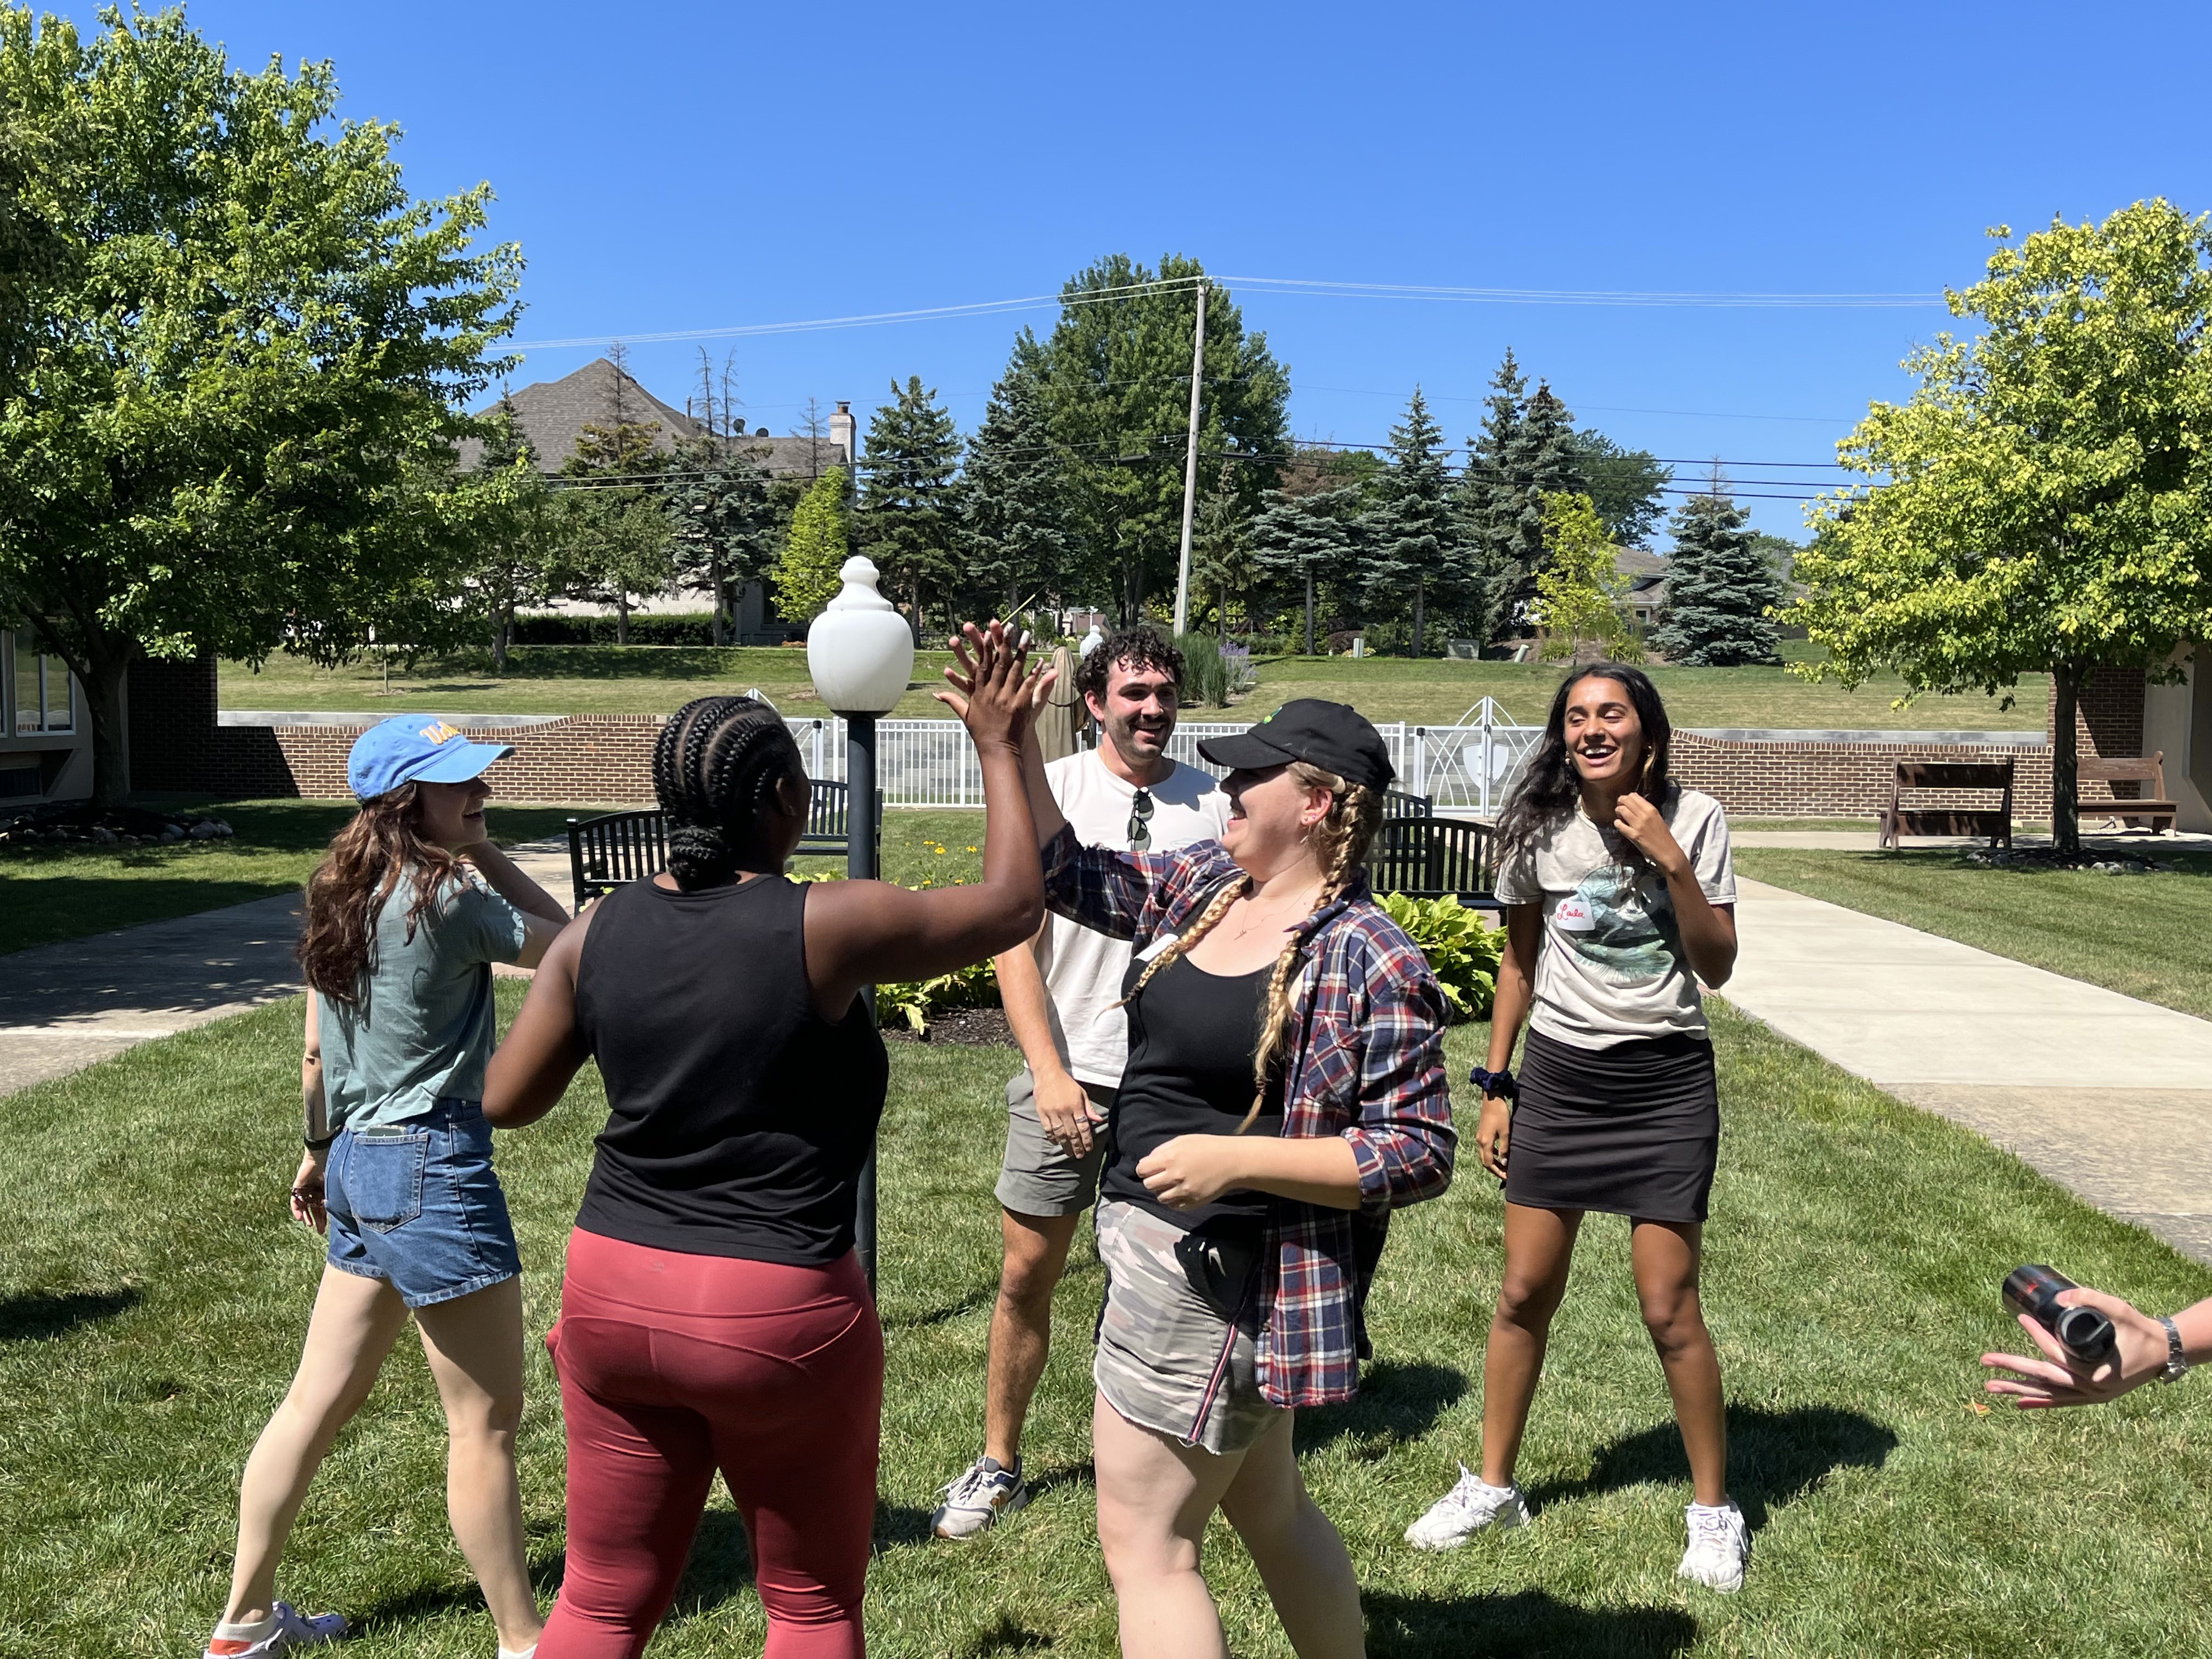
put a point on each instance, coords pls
(405, 916)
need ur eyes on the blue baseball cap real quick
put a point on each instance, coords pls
(415, 748)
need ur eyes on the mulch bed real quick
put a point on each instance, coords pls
(2046, 858)
(982, 1026)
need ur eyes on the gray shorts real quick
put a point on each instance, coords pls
(1037, 1178)
(1178, 1341)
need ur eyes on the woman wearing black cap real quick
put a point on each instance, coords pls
(1284, 1091)
(1620, 897)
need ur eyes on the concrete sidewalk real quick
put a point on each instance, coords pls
(2109, 1097)
(64, 1006)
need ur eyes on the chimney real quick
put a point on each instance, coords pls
(842, 433)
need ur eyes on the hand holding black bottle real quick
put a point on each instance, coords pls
(2085, 1334)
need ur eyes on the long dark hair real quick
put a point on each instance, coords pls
(716, 764)
(381, 843)
(1550, 787)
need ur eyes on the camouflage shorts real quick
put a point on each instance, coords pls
(1177, 1342)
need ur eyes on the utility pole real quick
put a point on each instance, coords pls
(1190, 467)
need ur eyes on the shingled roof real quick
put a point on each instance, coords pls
(552, 414)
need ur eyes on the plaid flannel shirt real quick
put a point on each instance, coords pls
(1366, 1065)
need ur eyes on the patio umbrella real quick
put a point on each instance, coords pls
(1057, 720)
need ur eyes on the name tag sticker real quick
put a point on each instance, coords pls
(1573, 916)
(1157, 946)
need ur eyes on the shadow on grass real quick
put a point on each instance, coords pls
(434, 1600)
(33, 1318)
(1397, 1403)
(1774, 1457)
(1004, 1637)
(1528, 1624)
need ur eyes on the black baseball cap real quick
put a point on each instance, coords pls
(1333, 736)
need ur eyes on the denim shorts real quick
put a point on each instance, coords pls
(416, 1205)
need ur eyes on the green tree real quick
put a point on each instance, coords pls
(1722, 588)
(1307, 542)
(910, 520)
(1117, 383)
(251, 353)
(1223, 570)
(1627, 486)
(617, 545)
(1016, 497)
(519, 526)
(1578, 590)
(1524, 452)
(1414, 537)
(2049, 501)
(805, 576)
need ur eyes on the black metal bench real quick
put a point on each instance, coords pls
(606, 851)
(1424, 856)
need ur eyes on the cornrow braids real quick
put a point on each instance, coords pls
(1341, 840)
(716, 765)
(1180, 947)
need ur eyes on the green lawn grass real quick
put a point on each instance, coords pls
(2147, 936)
(657, 679)
(152, 1295)
(50, 893)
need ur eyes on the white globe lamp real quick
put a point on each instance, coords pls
(859, 650)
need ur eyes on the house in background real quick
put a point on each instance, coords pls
(1646, 573)
(553, 414)
(45, 741)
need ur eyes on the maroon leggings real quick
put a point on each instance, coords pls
(674, 1366)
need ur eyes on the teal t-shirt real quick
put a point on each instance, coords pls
(424, 1030)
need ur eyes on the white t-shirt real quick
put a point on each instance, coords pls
(1611, 967)
(1083, 968)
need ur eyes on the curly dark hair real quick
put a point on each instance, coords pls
(716, 764)
(1550, 786)
(1141, 647)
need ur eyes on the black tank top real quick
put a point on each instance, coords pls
(740, 1118)
(1192, 1035)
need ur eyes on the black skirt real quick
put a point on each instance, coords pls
(1632, 1129)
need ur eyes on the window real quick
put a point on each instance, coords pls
(46, 699)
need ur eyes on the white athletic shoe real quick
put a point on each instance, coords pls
(1720, 1548)
(1467, 1509)
(974, 1502)
(293, 1629)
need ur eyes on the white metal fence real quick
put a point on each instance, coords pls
(1462, 768)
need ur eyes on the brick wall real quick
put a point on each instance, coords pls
(586, 757)
(2108, 724)
(1814, 779)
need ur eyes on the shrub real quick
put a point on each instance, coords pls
(1212, 674)
(686, 628)
(1463, 953)
(918, 1001)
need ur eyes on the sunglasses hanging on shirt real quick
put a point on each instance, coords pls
(1141, 820)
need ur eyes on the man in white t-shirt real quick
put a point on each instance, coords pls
(1063, 992)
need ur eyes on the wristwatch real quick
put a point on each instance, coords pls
(1499, 1084)
(2176, 1361)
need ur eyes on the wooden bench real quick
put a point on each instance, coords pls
(606, 851)
(2131, 768)
(1900, 819)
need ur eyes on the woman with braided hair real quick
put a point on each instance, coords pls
(1284, 1091)
(714, 1314)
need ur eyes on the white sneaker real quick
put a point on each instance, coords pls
(1465, 1510)
(293, 1629)
(1720, 1548)
(974, 1502)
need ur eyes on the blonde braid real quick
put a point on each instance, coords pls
(1340, 842)
(1176, 948)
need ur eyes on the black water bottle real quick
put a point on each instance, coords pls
(2085, 1334)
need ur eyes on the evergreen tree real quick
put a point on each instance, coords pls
(1016, 488)
(1307, 540)
(722, 522)
(1414, 539)
(1720, 588)
(909, 519)
(615, 535)
(806, 575)
(1526, 451)
(1223, 570)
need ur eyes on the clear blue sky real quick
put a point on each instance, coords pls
(672, 167)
